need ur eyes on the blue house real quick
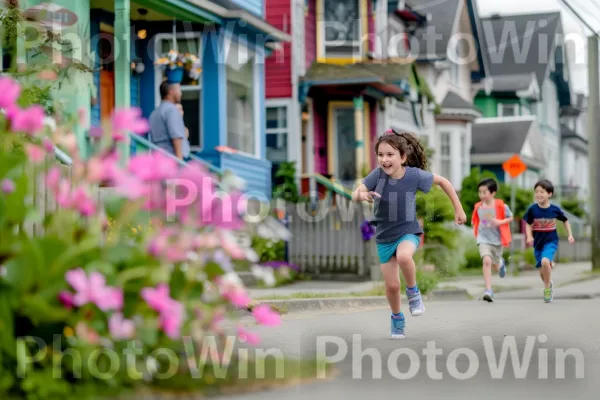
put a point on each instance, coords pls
(224, 106)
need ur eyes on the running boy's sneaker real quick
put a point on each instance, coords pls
(397, 330)
(488, 296)
(415, 303)
(502, 271)
(549, 293)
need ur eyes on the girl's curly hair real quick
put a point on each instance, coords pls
(407, 144)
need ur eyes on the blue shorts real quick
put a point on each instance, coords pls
(547, 251)
(386, 251)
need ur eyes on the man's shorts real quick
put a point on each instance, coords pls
(492, 251)
(548, 251)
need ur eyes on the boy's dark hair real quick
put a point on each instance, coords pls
(546, 185)
(490, 183)
(407, 144)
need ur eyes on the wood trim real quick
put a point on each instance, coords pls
(320, 44)
(367, 133)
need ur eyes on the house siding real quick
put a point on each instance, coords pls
(487, 105)
(255, 172)
(279, 64)
(310, 33)
(373, 107)
(371, 25)
(253, 6)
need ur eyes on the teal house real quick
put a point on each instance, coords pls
(226, 43)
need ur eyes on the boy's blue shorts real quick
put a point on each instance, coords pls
(386, 251)
(548, 251)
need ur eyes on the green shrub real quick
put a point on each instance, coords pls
(472, 259)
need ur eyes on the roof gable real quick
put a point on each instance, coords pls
(520, 44)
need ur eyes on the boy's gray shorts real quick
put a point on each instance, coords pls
(492, 251)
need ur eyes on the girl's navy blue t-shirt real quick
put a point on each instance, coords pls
(543, 223)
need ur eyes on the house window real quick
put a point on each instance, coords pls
(455, 73)
(240, 98)
(445, 155)
(341, 28)
(508, 110)
(277, 134)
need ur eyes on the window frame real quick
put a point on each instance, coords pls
(158, 75)
(320, 28)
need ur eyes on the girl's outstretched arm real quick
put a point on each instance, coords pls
(459, 214)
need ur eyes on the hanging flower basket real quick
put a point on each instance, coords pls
(175, 75)
(177, 64)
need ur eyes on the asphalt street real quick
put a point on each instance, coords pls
(557, 351)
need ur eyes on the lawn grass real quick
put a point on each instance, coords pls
(256, 374)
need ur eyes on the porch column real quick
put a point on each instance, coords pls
(75, 91)
(359, 133)
(214, 93)
(123, 65)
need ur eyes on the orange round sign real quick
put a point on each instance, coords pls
(514, 166)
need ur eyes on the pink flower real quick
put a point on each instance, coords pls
(8, 186)
(120, 328)
(35, 153)
(9, 92)
(48, 145)
(128, 120)
(83, 202)
(151, 167)
(247, 336)
(53, 178)
(222, 212)
(265, 316)
(29, 120)
(83, 331)
(158, 299)
(171, 320)
(230, 245)
(94, 290)
(171, 311)
(237, 296)
(66, 299)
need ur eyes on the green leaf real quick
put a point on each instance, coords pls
(7, 324)
(213, 270)
(178, 281)
(67, 259)
(22, 271)
(40, 311)
(104, 267)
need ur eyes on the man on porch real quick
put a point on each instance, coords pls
(167, 129)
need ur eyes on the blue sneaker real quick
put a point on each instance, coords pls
(488, 296)
(397, 330)
(502, 271)
(415, 303)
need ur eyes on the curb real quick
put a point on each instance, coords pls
(557, 296)
(297, 305)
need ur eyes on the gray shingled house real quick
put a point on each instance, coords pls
(523, 96)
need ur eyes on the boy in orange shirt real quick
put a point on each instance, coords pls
(491, 225)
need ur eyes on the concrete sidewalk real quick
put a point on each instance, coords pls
(529, 284)
(570, 281)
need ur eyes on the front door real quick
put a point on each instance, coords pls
(345, 145)
(107, 75)
(107, 93)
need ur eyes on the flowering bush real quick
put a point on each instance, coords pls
(83, 312)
